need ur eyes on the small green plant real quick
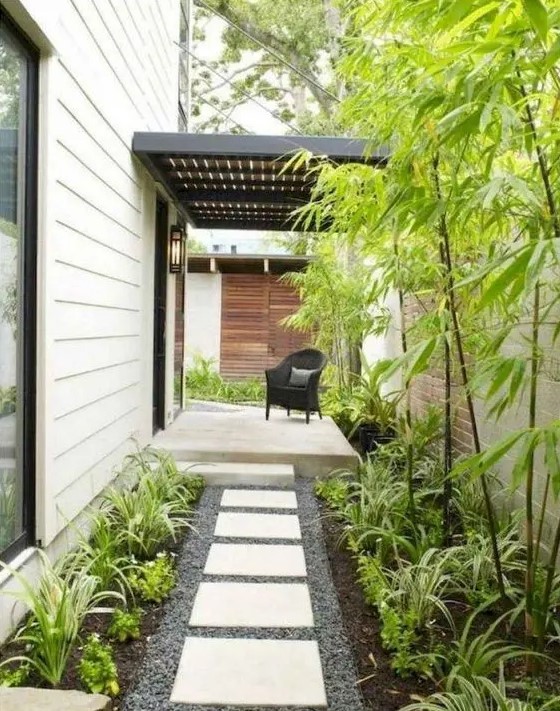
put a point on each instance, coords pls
(13, 675)
(97, 669)
(125, 625)
(204, 382)
(154, 580)
(143, 519)
(409, 600)
(333, 490)
(482, 696)
(57, 608)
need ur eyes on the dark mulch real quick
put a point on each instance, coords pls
(128, 655)
(381, 688)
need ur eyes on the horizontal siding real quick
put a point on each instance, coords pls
(80, 357)
(116, 74)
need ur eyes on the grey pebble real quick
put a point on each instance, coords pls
(155, 679)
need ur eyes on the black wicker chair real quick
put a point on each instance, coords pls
(296, 390)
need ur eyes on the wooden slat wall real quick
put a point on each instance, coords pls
(252, 338)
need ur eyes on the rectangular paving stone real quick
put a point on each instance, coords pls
(249, 672)
(257, 525)
(252, 605)
(256, 559)
(259, 499)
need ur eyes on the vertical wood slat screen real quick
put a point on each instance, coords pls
(252, 338)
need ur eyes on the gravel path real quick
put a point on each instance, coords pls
(156, 678)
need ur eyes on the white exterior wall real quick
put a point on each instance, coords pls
(203, 317)
(107, 69)
(376, 348)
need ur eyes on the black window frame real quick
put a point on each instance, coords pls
(29, 312)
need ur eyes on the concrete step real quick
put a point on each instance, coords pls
(242, 473)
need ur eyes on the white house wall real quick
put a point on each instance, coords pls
(203, 317)
(107, 69)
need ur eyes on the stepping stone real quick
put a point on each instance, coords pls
(239, 473)
(249, 672)
(259, 499)
(252, 605)
(272, 560)
(255, 525)
(30, 699)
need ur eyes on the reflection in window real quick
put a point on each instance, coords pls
(13, 89)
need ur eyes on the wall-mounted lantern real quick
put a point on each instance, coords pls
(176, 250)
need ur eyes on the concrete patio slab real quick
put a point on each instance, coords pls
(257, 525)
(241, 473)
(245, 436)
(259, 499)
(249, 672)
(282, 605)
(256, 559)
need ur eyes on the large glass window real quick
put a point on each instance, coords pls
(18, 77)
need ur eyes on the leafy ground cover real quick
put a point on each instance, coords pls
(204, 382)
(94, 609)
(424, 613)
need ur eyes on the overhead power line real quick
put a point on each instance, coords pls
(242, 91)
(228, 117)
(273, 52)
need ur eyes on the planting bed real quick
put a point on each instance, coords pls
(381, 688)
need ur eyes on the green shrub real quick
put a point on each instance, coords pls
(203, 382)
(125, 625)
(154, 580)
(409, 600)
(57, 608)
(101, 556)
(142, 519)
(333, 490)
(97, 669)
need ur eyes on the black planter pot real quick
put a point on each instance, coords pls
(371, 437)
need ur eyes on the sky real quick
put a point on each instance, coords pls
(256, 120)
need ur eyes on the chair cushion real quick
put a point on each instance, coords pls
(299, 378)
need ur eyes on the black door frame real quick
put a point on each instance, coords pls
(27, 394)
(160, 313)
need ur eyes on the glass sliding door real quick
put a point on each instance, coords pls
(18, 137)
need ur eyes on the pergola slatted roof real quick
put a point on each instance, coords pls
(227, 181)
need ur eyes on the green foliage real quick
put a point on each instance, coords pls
(482, 696)
(11, 675)
(154, 580)
(57, 608)
(203, 382)
(8, 398)
(125, 624)
(409, 600)
(368, 406)
(333, 490)
(101, 555)
(142, 519)
(97, 669)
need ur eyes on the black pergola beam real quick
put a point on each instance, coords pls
(260, 197)
(255, 147)
(261, 201)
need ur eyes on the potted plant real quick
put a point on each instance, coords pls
(374, 415)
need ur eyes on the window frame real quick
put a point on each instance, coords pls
(27, 395)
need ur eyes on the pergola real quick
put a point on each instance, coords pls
(243, 182)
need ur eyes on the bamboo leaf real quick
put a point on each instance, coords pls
(538, 15)
(552, 459)
(530, 441)
(504, 281)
